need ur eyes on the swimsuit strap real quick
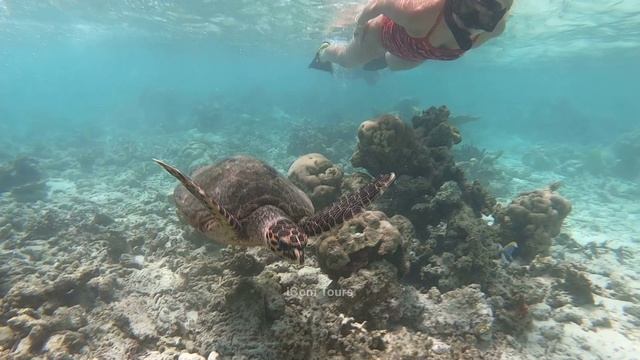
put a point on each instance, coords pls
(462, 36)
(438, 21)
(435, 25)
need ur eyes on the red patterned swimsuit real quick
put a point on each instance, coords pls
(396, 40)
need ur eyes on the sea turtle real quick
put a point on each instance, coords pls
(243, 201)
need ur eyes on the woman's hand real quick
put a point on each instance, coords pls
(368, 12)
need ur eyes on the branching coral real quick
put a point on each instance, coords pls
(479, 164)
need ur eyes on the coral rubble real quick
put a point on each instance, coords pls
(23, 179)
(626, 149)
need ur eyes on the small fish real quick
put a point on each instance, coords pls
(507, 252)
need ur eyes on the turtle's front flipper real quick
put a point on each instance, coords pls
(347, 207)
(217, 210)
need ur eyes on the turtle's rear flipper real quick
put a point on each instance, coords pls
(347, 207)
(218, 211)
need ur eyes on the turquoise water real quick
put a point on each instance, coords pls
(91, 91)
(65, 64)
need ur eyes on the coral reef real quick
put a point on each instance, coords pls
(455, 253)
(433, 128)
(363, 240)
(23, 179)
(421, 156)
(460, 120)
(354, 181)
(318, 177)
(480, 165)
(176, 298)
(457, 247)
(21, 171)
(406, 108)
(208, 116)
(626, 149)
(540, 158)
(332, 140)
(574, 160)
(533, 219)
(388, 144)
(571, 287)
(459, 312)
(104, 269)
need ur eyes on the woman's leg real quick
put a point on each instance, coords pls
(395, 63)
(356, 52)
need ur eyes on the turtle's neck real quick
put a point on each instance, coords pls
(261, 220)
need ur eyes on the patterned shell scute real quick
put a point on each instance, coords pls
(242, 184)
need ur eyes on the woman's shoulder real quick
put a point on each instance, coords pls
(423, 15)
(424, 7)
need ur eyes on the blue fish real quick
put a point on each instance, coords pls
(507, 252)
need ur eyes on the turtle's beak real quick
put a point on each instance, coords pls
(298, 256)
(287, 240)
(295, 253)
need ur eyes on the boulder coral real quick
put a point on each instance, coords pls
(318, 177)
(533, 219)
(388, 144)
(420, 154)
(365, 239)
(456, 246)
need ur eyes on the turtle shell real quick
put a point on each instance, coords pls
(241, 184)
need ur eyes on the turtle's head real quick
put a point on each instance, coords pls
(286, 239)
(273, 227)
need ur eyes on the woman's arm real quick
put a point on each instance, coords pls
(373, 9)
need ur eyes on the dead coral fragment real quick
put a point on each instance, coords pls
(460, 311)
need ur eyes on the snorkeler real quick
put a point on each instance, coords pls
(401, 34)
